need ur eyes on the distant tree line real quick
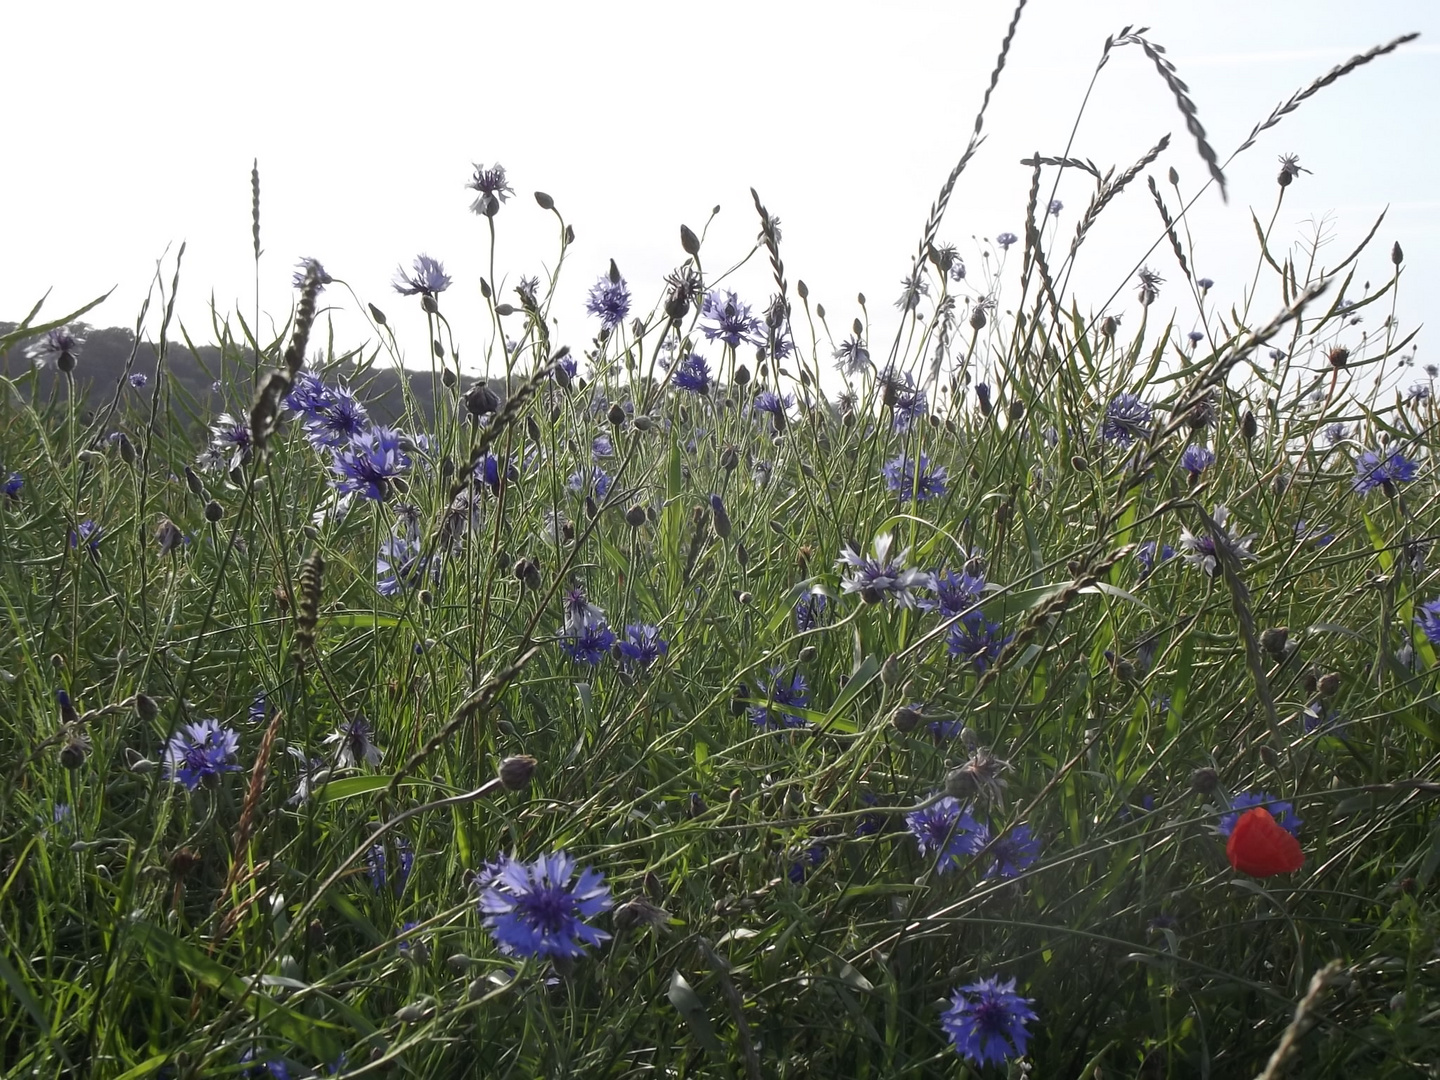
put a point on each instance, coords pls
(190, 393)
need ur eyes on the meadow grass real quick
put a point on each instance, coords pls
(864, 673)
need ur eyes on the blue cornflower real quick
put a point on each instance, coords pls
(852, 357)
(643, 644)
(1126, 419)
(230, 443)
(493, 189)
(302, 271)
(588, 644)
(1282, 812)
(805, 861)
(602, 447)
(354, 742)
(876, 577)
(1382, 468)
(308, 394)
(977, 639)
(338, 419)
(1206, 283)
(579, 612)
(723, 316)
(986, 1021)
(1427, 617)
(810, 611)
(398, 565)
(252, 1068)
(908, 403)
(693, 374)
(954, 593)
(139, 379)
(199, 753)
(536, 910)
(381, 870)
(609, 301)
(1055, 207)
(1314, 534)
(596, 478)
(1149, 553)
(768, 401)
(778, 693)
(428, 278)
(945, 830)
(912, 288)
(1203, 550)
(369, 464)
(56, 349)
(1196, 336)
(89, 534)
(567, 364)
(1012, 853)
(1196, 459)
(259, 708)
(489, 470)
(1005, 239)
(13, 483)
(911, 483)
(1418, 392)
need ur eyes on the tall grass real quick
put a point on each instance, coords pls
(1094, 692)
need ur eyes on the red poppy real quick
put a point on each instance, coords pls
(1260, 846)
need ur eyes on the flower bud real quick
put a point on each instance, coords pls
(516, 771)
(1396, 255)
(214, 512)
(635, 516)
(1204, 781)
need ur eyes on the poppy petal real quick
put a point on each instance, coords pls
(1260, 846)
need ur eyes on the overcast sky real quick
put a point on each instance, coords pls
(131, 127)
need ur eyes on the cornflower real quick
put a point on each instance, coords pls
(726, 318)
(1283, 812)
(609, 301)
(199, 753)
(369, 465)
(877, 576)
(493, 189)
(428, 278)
(780, 694)
(1383, 469)
(536, 909)
(945, 830)
(1203, 551)
(354, 741)
(643, 644)
(1126, 419)
(986, 1021)
(914, 479)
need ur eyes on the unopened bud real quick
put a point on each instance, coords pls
(1329, 685)
(635, 516)
(1204, 781)
(516, 771)
(146, 708)
(616, 415)
(214, 512)
(1396, 255)
(1273, 641)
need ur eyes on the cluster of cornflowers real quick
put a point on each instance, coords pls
(948, 831)
(588, 639)
(915, 479)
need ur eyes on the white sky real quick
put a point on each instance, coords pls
(132, 127)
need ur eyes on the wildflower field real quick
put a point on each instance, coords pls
(721, 692)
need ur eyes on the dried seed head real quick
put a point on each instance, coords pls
(1339, 356)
